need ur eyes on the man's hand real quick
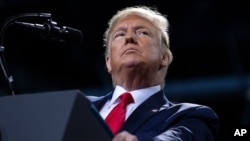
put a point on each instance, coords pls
(124, 136)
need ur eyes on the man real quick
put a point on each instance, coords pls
(137, 57)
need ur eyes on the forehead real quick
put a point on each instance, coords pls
(132, 20)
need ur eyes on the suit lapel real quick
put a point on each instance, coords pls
(147, 109)
(100, 103)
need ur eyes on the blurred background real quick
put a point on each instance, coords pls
(210, 42)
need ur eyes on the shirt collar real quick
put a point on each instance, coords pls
(139, 95)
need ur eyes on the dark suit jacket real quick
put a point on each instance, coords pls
(170, 122)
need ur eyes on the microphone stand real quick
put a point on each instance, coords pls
(6, 80)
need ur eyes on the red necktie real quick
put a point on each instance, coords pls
(116, 117)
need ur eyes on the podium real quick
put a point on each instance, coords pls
(51, 116)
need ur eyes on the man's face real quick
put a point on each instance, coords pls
(134, 41)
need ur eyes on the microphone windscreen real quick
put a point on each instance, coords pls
(71, 35)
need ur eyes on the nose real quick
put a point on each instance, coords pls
(130, 38)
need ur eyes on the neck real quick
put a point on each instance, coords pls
(133, 80)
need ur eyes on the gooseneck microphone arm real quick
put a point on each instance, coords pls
(48, 30)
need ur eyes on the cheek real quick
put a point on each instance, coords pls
(113, 54)
(155, 54)
(153, 49)
(115, 49)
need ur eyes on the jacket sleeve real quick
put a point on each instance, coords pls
(191, 123)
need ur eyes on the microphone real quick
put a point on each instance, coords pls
(51, 31)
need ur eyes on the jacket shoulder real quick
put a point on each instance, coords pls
(191, 109)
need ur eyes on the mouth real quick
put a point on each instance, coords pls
(130, 50)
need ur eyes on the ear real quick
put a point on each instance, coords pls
(166, 59)
(108, 64)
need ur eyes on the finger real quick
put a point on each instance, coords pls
(125, 136)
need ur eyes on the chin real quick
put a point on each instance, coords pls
(134, 63)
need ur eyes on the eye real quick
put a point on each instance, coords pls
(142, 32)
(119, 34)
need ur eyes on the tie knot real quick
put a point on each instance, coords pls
(126, 98)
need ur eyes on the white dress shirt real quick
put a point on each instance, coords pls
(139, 97)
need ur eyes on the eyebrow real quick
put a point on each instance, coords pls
(120, 29)
(136, 27)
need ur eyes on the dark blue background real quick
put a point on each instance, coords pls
(210, 42)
